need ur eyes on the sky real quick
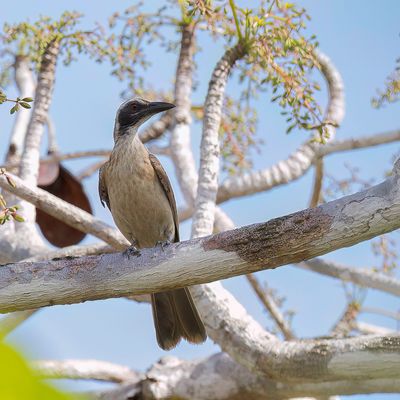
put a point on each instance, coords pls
(361, 38)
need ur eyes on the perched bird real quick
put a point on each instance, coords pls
(136, 189)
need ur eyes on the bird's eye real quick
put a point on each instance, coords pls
(134, 106)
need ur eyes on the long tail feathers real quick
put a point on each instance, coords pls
(176, 316)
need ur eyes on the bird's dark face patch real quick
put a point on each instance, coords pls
(132, 112)
(135, 112)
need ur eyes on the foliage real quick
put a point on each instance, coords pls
(24, 103)
(8, 213)
(391, 93)
(18, 382)
(31, 39)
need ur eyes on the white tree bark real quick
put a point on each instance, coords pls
(220, 378)
(289, 239)
(302, 159)
(26, 88)
(86, 369)
(203, 219)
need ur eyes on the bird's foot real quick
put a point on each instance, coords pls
(163, 244)
(132, 251)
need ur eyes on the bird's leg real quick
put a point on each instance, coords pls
(132, 250)
(163, 244)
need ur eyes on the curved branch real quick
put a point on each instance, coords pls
(12, 321)
(301, 160)
(203, 218)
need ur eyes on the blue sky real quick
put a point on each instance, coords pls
(361, 38)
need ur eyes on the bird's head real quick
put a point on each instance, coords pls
(134, 112)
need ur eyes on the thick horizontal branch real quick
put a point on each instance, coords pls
(218, 377)
(362, 277)
(290, 239)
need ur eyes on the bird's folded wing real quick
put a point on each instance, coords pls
(103, 187)
(166, 185)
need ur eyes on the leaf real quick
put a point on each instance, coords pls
(18, 218)
(27, 99)
(18, 382)
(25, 105)
(14, 109)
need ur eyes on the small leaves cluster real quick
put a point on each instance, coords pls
(237, 133)
(8, 213)
(391, 93)
(281, 57)
(386, 248)
(24, 103)
(31, 39)
(125, 48)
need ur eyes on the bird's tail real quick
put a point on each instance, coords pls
(176, 316)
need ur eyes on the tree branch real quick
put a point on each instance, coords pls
(26, 88)
(301, 160)
(290, 239)
(362, 277)
(66, 212)
(271, 307)
(86, 369)
(218, 377)
(203, 218)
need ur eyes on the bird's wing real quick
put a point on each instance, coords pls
(103, 187)
(166, 184)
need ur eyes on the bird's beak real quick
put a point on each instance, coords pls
(159, 106)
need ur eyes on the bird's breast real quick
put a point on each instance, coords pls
(138, 203)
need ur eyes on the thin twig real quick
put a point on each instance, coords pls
(271, 306)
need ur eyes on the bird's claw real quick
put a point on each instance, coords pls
(163, 244)
(132, 251)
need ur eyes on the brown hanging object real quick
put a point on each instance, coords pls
(57, 180)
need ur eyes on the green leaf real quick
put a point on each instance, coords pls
(14, 109)
(27, 99)
(18, 218)
(18, 382)
(25, 105)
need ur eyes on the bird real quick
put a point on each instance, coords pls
(136, 189)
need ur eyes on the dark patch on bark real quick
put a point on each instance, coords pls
(279, 241)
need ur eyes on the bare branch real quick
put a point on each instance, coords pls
(218, 377)
(12, 321)
(289, 239)
(26, 88)
(181, 152)
(157, 129)
(318, 178)
(346, 322)
(66, 212)
(369, 329)
(359, 143)
(362, 277)
(203, 219)
(271, 306)
(29, 167)
(86, 369)
(90, 170)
